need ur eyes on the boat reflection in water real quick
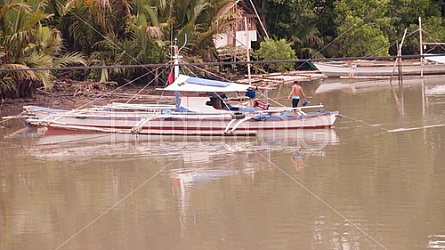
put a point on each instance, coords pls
(438, 90)
(193, 154)
(190, 161)
(67, 146)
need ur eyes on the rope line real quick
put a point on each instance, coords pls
(363, 122)
(117, 203)
(322, 201)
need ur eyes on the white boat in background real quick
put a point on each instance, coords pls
(200, 109)
(432, 65)
(427, 64)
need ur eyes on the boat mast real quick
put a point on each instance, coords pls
(176, 58)
(176, 55)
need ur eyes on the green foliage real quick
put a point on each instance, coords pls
(286, 19)
(299, 24)
(35, 33)
(360, 30)
(277, 50)
(27, 44)
(433, 30)
(200, 20)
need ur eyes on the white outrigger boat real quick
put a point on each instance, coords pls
(433, 65)
(199, 110)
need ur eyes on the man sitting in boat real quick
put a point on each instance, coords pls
(226, 105)
(220, 101)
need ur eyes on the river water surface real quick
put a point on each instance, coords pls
(376, 180)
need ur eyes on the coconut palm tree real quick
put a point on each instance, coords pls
(27, 44)
(151, 25)
(141, 42)
(201, 20)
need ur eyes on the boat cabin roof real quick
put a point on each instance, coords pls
(194, 84)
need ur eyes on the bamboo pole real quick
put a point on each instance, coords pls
(421, 63)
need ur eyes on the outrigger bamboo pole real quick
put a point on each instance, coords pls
(421, 46)
(398, 60)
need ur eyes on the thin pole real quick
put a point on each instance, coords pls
(259, 19)
(421, 46)
(421, 63)
(248, 50)
(397, 61)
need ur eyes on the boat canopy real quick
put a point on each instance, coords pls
(194, 84)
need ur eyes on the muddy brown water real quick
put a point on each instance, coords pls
(376, 180)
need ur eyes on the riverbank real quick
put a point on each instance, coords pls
(69, 94)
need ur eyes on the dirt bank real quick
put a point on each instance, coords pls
(70, 94)
(73, 94)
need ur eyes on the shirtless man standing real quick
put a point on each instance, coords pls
(295, 94)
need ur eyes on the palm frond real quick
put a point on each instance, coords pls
(22, 72)
(69, 59)
(7, 84)
(45, 77)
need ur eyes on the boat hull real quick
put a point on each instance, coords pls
(180, 123)
(377, 70)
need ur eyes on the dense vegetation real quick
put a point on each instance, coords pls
(56, 33)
